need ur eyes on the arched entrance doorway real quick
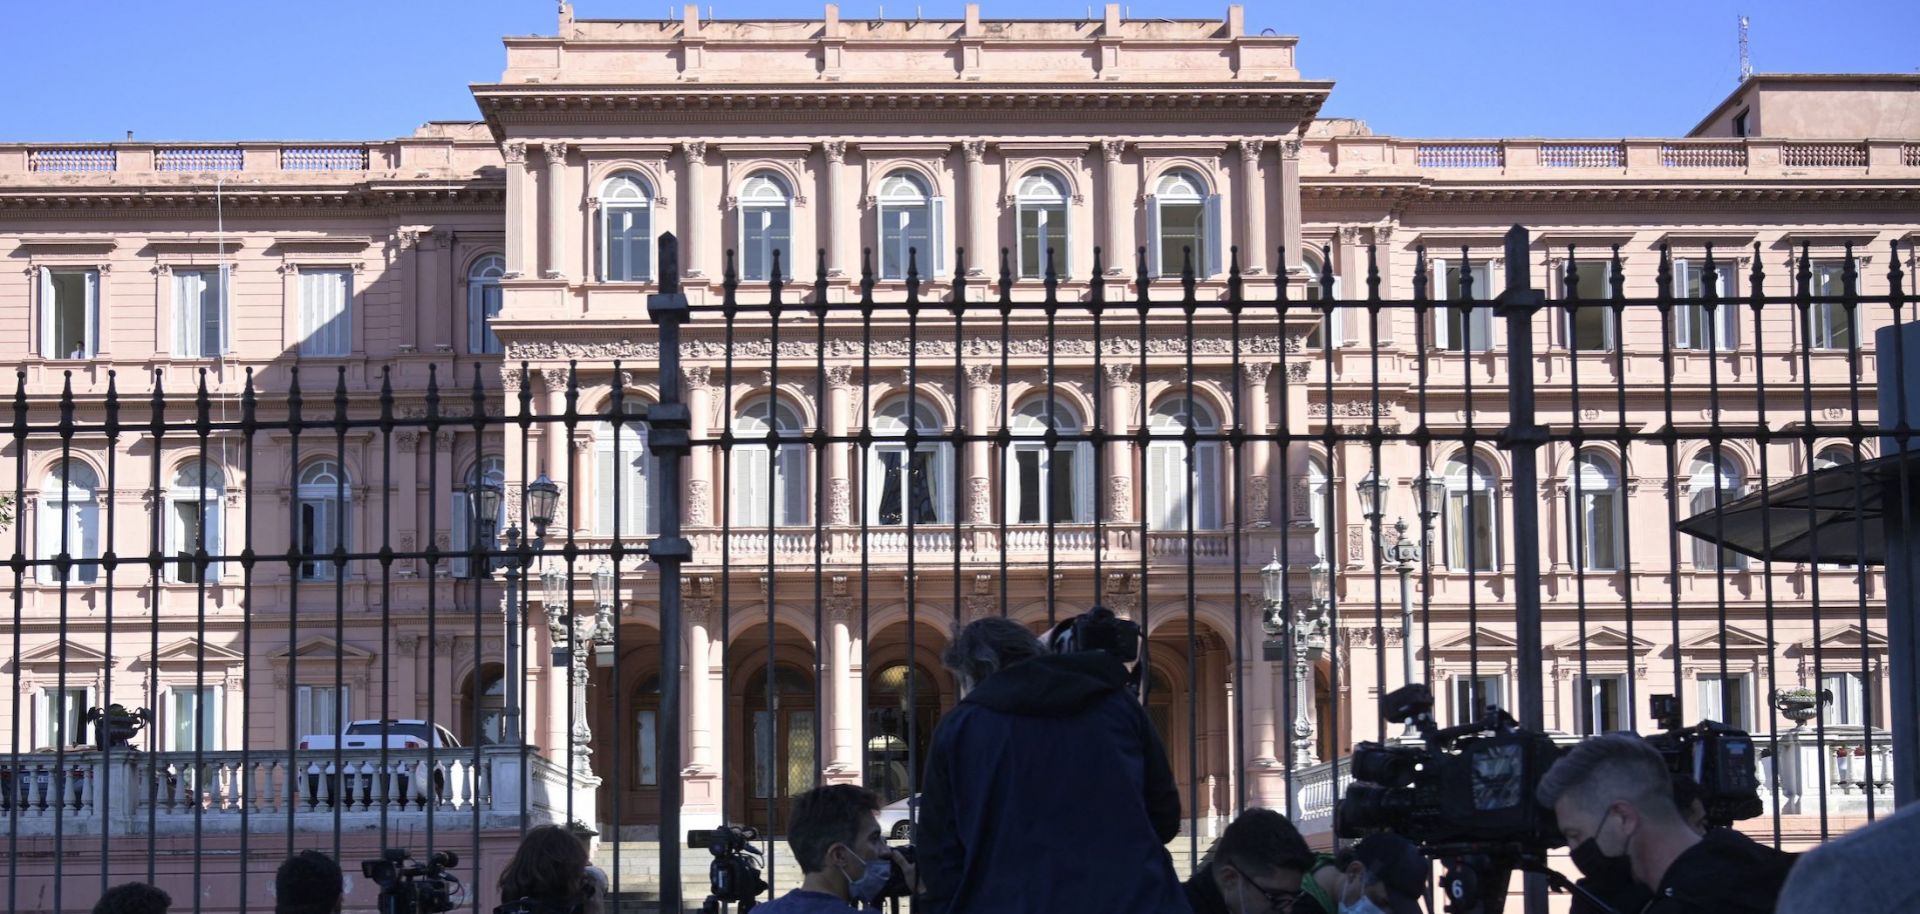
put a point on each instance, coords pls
(777, 754)
(483, 706)
(899, 728)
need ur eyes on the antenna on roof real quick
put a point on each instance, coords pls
(1746, 59)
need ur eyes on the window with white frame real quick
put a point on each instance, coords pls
(1830, 325)
(626, 224)
(490, 707)
(483, 303)
(1727, 699)
(1041, 209)
(769, 480)
(908, 483)
(200, 313)
(57, 716)
(1849, 693)
(1464, 329)
(321, 520)
(1472, 515)
(626, 476)
(467, 536)
(1049, 484)
(1183, 483)
(1693, 326)
(1595, 491)
(193, 719)
(766, 227)
(193, 519)
(1473, 695)
(1183, 219)
(322, 710)
(69, 313)
(912, 226)
(70, 522)
(1603, 704)
(1317, 489)
(1713, 482)
(1327, 331)
(326, 311)
(1590, 325)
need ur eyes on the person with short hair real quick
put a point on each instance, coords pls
(844, 860)
(133, 898)
(1256, 866)
(309, 882)
(1613, 797)
(1867, 871)
(1047, 788)
(548, 875)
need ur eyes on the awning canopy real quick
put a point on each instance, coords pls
(1832, 515)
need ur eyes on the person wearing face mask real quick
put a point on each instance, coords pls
(1256, 867)
(1383, 874)
(1610, 880)
(1613, 799)
(845, 863)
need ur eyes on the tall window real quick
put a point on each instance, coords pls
(1184, 217)
(909, 482)
(912, 219)
(70, 522)
(1597, 493)
(321, 710)
(1849, 690)
(626, 220)
(1725, 698)
(321, 518)
(69, 313)
(1049, 484)
(768, 482)
(483, 303)
(199, 313)
(1714, 482)
(1327, 331)
(1042, 213)
(1590, 328)
(1182, 488)
(1830, 325)
(467, 536)
(1693, 327)
(1473, 695)
(194, 519)
(1604, 709)
(1470, 330)
(1472, 515)
(193, 719)
(766, 220)
(57, 718)
(625, 461)
(1317, 483)
(326, 312)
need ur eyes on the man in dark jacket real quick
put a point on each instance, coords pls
(1047, 789)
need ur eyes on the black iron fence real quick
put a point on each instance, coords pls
(753, 525)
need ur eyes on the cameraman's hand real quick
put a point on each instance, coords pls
(905, 866)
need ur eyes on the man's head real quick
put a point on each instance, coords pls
(1385, 870)
(309, 882)
(1613, 790)
(1259, 862)
(133, 898)
(834, 832)
(987, 646)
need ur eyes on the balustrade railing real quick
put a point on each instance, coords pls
(198, 159)
(1461, 155)
(1824, 155)
(323, 158)
(72, 160)
(1703, 155)
(1583, 155)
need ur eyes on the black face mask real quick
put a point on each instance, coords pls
(1601, 868)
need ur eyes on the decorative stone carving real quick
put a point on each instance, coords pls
(1354, 409)
(836, 151)
(840, 610)
(1119, 497)
(556, 153)
(1111, 150)
(695, 376)
(1257, 498)
(1290, 148)
(1250, 150)
(1297, 371)
(839, 509)
(555, 379)
(1118, 372)
(699, 501)
(510, 379)
(1356, 543)
(514, 151)
(977, 499)
(1257, 372)
(696, 152)
(975, 150)
(979, 374)
(406, 440)
(840, 377)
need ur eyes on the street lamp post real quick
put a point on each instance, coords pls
(1309, 624)
(542, 496)
(1402, 552)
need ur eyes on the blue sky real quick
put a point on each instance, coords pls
(361, 69)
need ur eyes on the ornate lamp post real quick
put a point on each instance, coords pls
(1401, 551)
(604, 621)
(484, 500)
(1309, 632)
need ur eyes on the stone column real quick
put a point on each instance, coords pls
(702, 781)
(1119, 253)
(553, 233)
(840, 211)
(1259, 483)
(406, 465)
(700, 459)
(1290, 203)
(555, 433)
(839, 453)
(693, 254)
(519, 246)
(843, 764)
(983, 255)
(980, 423)
(1254, 255)
(1120, 418)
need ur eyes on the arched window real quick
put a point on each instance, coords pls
(626, 224)
(1049, 484)
(483, 303)
(489, 705)
(467, 536)
(322, 518)
(911, 219)
(1317, 482)
(626, 477)
(1041, 207)
(1714, 481)
(908, 482)
(646, 739)
(1327, 332)
(1473, 518)
(193, 519)
(1183, 484)
(1183, 217)
(1595, 491)
(70, 521)
(768, 478)
(766, 226)
(1831, 456)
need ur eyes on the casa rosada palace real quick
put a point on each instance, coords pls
(527, 238)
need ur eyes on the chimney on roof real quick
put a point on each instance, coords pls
(973, 19)
(1236, 21)
(833, 21)
(1113, 19)
(690, 19)
(566, 18)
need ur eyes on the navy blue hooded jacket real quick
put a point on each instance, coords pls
(1047, 790)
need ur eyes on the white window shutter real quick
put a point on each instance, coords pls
(1206, 514)
(937, 232)
(186, 314)
(1442, 314)
(1159, 479)
(1153, 237)
(1683, 321)
(459, 540)
(224, 301)
(1083, 489)
(93, 312)
(47, 321)
(210, 522)
(793, 484)
(750, 485)
(1214, 244)
(634, 469)
(476, 317)
(51, 519)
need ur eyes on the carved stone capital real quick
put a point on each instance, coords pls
(555, 378)
(1257, 372)
(1290, 149)
(1297, 371)
(1250, 150)
(1118, 372)
(510, 379)
(979, 374)
(514, 151)
(836, 151)
(840, 376)
(696, 152)
(406, 440)
(1111, 150)
(696, 376)
(975, 151)
(556, 152)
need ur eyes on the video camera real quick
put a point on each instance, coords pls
(734, 875)
(1098, 629)
(1717, 757)
(416, 888)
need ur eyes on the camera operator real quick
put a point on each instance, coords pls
(1613, 797)
(1047, 789)
(835, 836)
(309, 882)
(1611, 879)
(548, 875)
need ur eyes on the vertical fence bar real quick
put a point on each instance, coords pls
(669, 422)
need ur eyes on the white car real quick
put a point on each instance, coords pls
(398, 734)
(365, 735)
(897, 818)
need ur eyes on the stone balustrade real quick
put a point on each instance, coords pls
(1650, 159)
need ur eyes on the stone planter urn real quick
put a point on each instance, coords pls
(1800, 705)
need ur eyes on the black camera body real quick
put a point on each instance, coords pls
(1718, 758)
(1098, 629)
(412, 888)
(897, 886)
(734, 874)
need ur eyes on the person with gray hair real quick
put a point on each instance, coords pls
(1613, 797)
(1046, 789)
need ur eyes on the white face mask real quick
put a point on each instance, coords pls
(1363, 905)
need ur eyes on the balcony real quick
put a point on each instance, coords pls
(979, 544)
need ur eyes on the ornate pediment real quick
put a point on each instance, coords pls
(1488, 641)
(47, 656)
(189, 652)
(1604, 639)
(1850, 637)
(1734, 639)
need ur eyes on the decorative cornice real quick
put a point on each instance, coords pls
(531, 103)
